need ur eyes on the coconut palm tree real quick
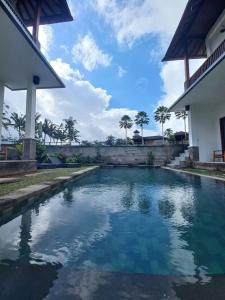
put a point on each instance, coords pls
(71, 131)
(46, 128)
(18, 123)
(5, 120)
(126, 123)
(161, 116)
(183, 115)
(142, 119)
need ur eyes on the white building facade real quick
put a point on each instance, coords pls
(22, 65)
(201, 34)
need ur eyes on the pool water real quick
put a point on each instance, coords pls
(131, 225)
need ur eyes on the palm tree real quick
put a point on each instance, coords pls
(161, 116)
(142, 119)
(18, 123)
(5, 119)
(182, 115)
(46, 128)
(126, 123)
(71, 131)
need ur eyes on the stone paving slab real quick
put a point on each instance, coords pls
(10, 180)
(37, 190)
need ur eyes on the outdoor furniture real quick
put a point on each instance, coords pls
(219, 154)
(4, 153)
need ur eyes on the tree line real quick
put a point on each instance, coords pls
(48, 132)
(161, 115)
(65, 132)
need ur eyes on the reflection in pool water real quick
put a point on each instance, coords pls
(112, 233)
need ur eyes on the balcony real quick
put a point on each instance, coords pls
(210, 61)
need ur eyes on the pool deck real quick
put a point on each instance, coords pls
(33, 191)
(194, 173)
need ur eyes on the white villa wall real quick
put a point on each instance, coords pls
(205, 129)
(215, 37)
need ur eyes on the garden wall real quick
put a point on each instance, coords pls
(120, 155)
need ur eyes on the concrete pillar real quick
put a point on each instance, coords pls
(29, 149)
(2, 92)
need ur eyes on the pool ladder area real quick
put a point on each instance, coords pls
(180, 161)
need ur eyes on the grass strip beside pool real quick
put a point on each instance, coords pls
(201, 172)
(37, 178)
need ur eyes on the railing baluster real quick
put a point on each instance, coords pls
(207, 64)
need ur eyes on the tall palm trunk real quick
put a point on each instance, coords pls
(163, 133)
(142, 138)
(126, 135)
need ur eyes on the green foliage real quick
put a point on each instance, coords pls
(18, 123)
(78, 158)
(19, 149)
(142, 119)
(41, 153)
(150, 159)
(110, 141)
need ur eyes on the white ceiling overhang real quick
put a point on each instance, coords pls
(20, 58)
(207, 90)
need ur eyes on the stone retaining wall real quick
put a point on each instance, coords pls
(16, 167)
(120, 155)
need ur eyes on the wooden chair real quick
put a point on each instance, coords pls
(4, 153)
(219, 154)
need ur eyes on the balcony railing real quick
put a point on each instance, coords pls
(206, 65)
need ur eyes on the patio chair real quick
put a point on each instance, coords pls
(219, 154)
(4, 153)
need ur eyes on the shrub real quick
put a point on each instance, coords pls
(19, 149)
(41, 153)
(150, 159)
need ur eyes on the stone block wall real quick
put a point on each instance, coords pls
(120, 155)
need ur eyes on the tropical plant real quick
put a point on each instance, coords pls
(183, 115)
(71, 131)
(5, 119)
(150, 159)
(120, 142)
(110, 141)
(18, 123)
(161, 116)
(142, 119)
(46, 128)
(41, 152)
(126, 123)
(169, 135)
(38, 126)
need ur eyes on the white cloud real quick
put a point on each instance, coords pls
(121, 72)
(88, 104)
(133, 19)
(46, 38)
(87, 52)
(65, 71)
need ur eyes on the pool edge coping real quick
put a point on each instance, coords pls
(193, 173)
(33, 191)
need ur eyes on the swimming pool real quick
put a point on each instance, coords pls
(120, 233)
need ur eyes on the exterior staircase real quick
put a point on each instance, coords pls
(180, 161)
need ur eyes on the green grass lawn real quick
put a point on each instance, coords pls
(39, 178)
(219, 174)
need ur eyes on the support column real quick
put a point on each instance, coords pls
(29, 147)
(2, 93)
(36, 24)
(186, 68)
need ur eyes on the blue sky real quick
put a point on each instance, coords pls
(110, 60)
